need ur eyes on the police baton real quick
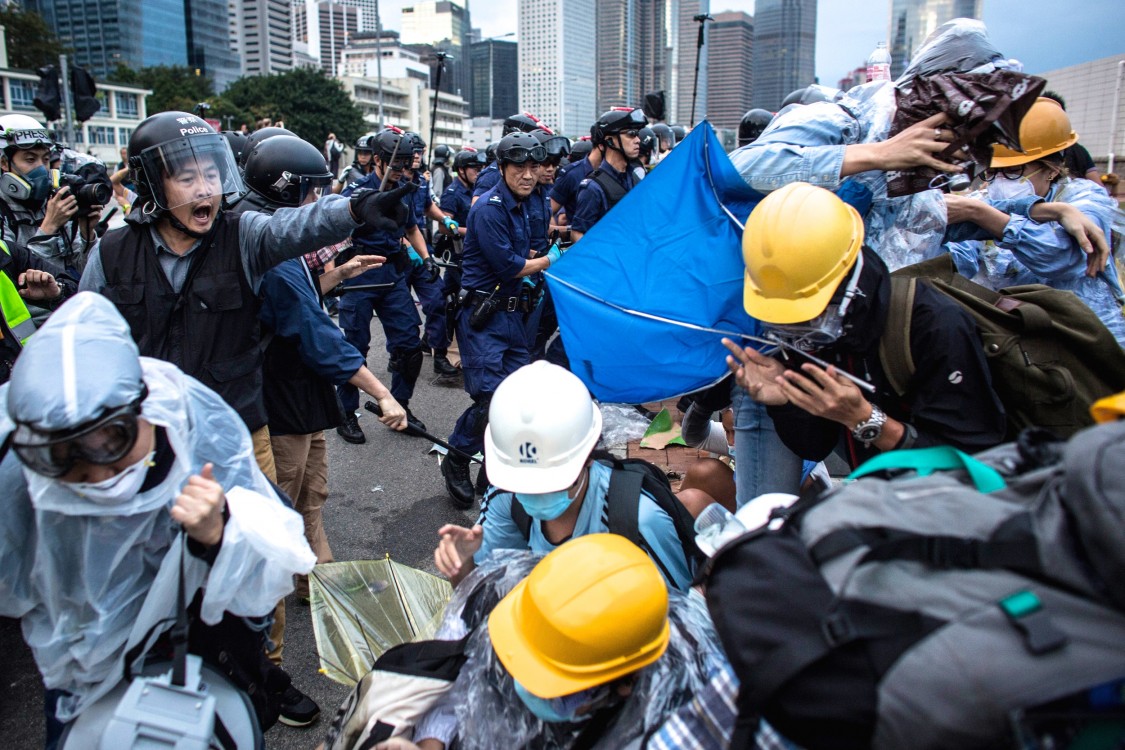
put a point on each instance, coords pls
(342, 289)
(373, 407)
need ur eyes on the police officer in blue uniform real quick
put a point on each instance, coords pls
(491, 329)
(428, 290)
(616, 135)
(564, 193)
(455, 203)
(517, 123)
(541, 323)
(394, 305)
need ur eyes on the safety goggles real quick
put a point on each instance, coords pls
(522, 154)
(557, 146)
(103, 441)
(825, 329)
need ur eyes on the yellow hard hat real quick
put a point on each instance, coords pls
(1044, 130)
(1109, 409)
(799, 243)
(593, 610)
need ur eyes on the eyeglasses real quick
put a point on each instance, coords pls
(521, 154)
(1011, 173)
(104, 441)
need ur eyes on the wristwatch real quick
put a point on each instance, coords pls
(869, 430)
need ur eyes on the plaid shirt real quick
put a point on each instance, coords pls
(317, 259)
(707, 722)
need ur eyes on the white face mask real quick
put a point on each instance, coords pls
(1001, 188)
(118, 488)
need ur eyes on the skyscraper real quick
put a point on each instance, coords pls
(325, 27)
(207, 24)
(557, 63)
(685, 45)
(913, 20)
(730, 68)
(494, 91)
(784, 49)
(444, 25)
(262, 35)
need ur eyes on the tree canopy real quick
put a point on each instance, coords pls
(31, 43)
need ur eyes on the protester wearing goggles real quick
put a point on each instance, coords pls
(495, 303)
(1045, 246)
(616, 135)
(819, 290)
(113, 469)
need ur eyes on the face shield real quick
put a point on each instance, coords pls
(188, 170)
(823, 330)
(297, 187)
(103, 441)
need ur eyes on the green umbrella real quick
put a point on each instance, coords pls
(362, 608)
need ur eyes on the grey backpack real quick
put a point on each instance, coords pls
(925, 607)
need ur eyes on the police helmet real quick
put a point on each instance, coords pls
(237, 140)
(558, 146)
(442, 154)
(469, 158)
(365, 143)
(648, 141)
(284, 169)
(257, 137)
(166, 142)
(753, 123)
(811, 94)
(617, 120)
(519, 148)
(490, 152)
(417, 143)
(581, 148)
(522, 123)
(666, 139)
(680, 132)
(394, 148)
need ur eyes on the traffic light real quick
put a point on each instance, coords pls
(83, 89)
(47, 98)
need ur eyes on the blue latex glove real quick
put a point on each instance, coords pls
(554, 253)
(450, 224)
(528, 282)
(415, 258)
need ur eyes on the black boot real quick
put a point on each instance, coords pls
(415, 424)
(455, 469)
(350, 430)
(442, 365)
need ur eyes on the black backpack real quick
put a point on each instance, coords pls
(1049, 355)
(630, 476)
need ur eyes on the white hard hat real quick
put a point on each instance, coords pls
(22, 131)
(542, 424)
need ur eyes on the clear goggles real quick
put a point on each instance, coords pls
(103, 441)
(522, 154)
(823, 330)
(190, 169)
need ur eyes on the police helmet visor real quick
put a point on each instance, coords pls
(305, 184)
(102, 441)
(522, 154)
(634, 121)
(187, 170)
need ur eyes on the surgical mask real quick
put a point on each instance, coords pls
(547, 506)
(564, 709)
(1002, 188)
(118, 488)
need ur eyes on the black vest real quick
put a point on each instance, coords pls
(298, 400)
(210, 329)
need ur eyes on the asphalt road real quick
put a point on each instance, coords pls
(386, 497)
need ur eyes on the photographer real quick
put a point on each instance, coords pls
(36, 212)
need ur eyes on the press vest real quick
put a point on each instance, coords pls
(210, 329)
(17, 320)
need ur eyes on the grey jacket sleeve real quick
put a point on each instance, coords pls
(266, 240)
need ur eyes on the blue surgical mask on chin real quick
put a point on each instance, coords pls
(561, 710)
(546, 506)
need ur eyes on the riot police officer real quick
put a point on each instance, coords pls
(361, 165)
(397, 313)
(616, 136)
(455, 204)
(524, 122)
(491, 324)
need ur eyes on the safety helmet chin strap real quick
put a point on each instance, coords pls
(608, 144)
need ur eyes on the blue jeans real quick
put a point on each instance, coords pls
(762, 462)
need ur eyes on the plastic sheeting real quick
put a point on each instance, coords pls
(360, 609)
(85, 582)
(491, 715)
(645, 297)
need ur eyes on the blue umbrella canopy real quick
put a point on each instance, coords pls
(645, 297)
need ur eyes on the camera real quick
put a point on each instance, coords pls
(88, 190)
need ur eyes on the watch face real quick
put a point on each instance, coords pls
(869, 433)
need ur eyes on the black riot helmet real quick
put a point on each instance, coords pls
(365, 143)
(680, 132)
(166, 143)
(284, 169)
(394, 148)
(257, 137)
(442, 154)
(490, 152)
(666, 139)
(752, 125)
(469, 157)
(523, 123)
(648, 142)
(557, 146)
(580, 149)
(615, 121)
(519, 148)
(237, 140)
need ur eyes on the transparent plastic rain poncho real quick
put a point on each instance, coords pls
(90, 580)
(806, 144)
(490, 714)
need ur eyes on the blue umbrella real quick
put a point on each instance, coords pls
(645, 297)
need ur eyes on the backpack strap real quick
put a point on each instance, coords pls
(613, 190)
(521, 519)
(926, 461)
(623, 500)
(894, 344)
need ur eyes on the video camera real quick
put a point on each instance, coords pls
(86, 177)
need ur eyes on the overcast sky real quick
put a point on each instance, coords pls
(1043, 34)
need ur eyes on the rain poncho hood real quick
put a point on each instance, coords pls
(89, 580)
(489, 712)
